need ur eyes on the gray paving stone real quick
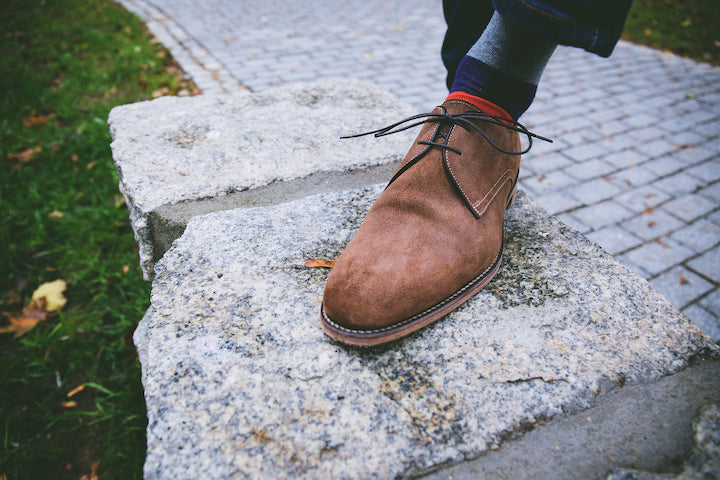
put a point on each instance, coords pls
(590, 169)
(558, 202)
(711, 302)
(640, 199)
(689, 207)
(654, 257)
(686, 139)
(681, 286)
(679, 183)
(549, 182)
(614, 239)
(708, 172)
(664, 166)
(635, 176)
(708, 264)
(625, 158)
(594, 191)
(546, 163)
(700, 236)
(586, 152)
(655, 148)
(712, 192)
(695, 155)
(602, 214)
(706, 321)
(709, 130)
(652, 225)
(714, 217)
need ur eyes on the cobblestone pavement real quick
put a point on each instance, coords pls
(636, 161)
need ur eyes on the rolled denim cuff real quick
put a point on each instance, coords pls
(593, 25)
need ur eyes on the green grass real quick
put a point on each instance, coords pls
(62, 217)
(690, 28)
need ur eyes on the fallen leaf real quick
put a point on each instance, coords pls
(76, 390)
(91, 165)
(26, 321)
(52, 293)
(160, 92)
(26, 155)
(683, 280)
(56, 214)
(92, 475)
(74, 157)
(316, 263)
(652, 224)
(125, 268)
(70, 404)
(663, 244)
(648, 211)
(686, 23)
(37, 121)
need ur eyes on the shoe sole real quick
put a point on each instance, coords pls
(369, 338)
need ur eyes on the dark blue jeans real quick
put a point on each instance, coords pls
(593, 25)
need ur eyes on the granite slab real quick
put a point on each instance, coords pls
(190, 150)
(240, 381)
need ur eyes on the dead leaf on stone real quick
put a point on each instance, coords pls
(648, 211)
(317, 263)
(683, 280)
(663, 244)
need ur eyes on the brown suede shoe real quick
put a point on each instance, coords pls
(434, 237)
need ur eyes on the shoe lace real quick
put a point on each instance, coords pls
(466, 120)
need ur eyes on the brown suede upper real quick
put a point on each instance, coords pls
(422, 240)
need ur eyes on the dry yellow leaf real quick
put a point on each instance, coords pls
(52, 293)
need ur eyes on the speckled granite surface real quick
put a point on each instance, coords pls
(241, 382)
(179, 149)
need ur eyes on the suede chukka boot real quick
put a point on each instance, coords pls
(434, 237)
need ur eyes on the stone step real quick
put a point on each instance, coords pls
(182, 156)
(240, 381)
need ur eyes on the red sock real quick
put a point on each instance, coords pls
(484, 105)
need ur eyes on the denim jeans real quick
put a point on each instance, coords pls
(593, 25)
